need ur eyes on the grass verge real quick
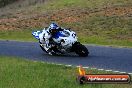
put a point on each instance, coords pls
(19, 35)
(19, 73)
(25, 35)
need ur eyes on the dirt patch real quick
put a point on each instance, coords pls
(61, 16)
(67, 16)
(119, 11)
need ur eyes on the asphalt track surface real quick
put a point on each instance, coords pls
(100, 57)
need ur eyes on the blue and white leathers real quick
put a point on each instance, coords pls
(43, 37)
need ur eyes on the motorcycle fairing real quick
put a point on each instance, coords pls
(59, 34)
(36, 34)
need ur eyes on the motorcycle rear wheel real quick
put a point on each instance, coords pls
(81, 50)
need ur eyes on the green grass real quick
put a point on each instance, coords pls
(55, 5)
(24, 35)
(87, 39)
(95, 28)
(106, 30)
(60, 4)
(104, 41)
(22, 73)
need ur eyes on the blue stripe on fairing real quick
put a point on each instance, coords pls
(57, 35)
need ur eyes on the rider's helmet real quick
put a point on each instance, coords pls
(53, 28)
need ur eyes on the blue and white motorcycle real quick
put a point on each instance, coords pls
(64, 42)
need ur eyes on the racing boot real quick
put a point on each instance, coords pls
(51, 51)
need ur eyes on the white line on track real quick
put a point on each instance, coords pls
(108, 70)
(122, 72)
(89, 68)
(101, 69)
(68, 65)
(116, 71)
(86, 67)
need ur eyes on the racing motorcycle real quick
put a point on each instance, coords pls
(64, 42)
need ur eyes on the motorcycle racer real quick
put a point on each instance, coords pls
(55, 40)
(47, 35)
